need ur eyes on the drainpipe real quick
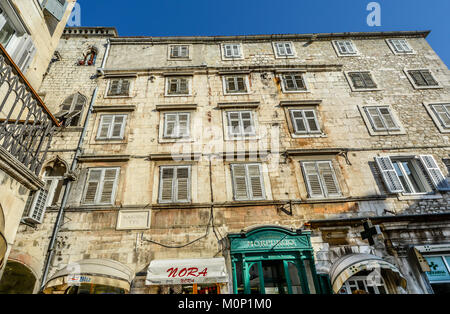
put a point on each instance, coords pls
(108, 47)
(51, 246)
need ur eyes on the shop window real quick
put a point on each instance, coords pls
(320, 179)
(101, 185)
(111, 127)
(362, 285)
(248, 182)
(412, 175)
(94, 289)
(72, 109)
(89, 58)
(174, 184)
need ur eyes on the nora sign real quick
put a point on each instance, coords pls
(188, 271)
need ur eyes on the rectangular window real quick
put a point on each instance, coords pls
(284, 49)
(232, 50)
(240, 123)
(381, 118)
(362, 80)
(178, 86)
(179, 51)
(119, 87)
(248, 183)
(423, 78)
(293, 82)
(320, 179)
(174, 184)
(235, 84)
(7, 30)
(101, 185)
(346, 47)
(412, 175)
(111, 127)
(400, 45)
(176, 125)
(443, 113)
(304, 121)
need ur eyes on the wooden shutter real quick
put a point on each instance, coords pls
(239, 182)
(368, 80)
(389, 174)
(417, 77)
(438, 179)
(170, 122)
(357, 80)
(312, 179)
(108, 186)
(26, 53)
(388, 118)
(183, 86)
(255, 181)
(429, 79)
(328, 178)
(182, 185)
(125, 87)
(375, 118)
(57, 8)
(231, 84)
(166, 184)
(241, 84)
(288, 49)
(228, 51)
(234, 125)
(92, 185)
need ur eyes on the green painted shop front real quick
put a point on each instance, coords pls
(274, 260)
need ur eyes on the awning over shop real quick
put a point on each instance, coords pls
(92, 271)
(3, 243)
(351, 264)
(186, 271)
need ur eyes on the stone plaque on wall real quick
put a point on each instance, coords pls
(133, 219)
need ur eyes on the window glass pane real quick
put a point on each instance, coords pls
(295, 278)
(309, 276)
(255, 280)
(413, 177)
(274, 277)
(438, 269)
(6, 33)
(239, 278)
(405, 185)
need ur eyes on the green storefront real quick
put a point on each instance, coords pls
(274, 260)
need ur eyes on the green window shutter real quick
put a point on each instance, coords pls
(324, 284)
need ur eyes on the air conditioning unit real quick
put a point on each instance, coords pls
(35, 207)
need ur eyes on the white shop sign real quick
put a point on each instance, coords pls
(186, 271)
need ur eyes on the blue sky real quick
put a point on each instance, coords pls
(243, 17)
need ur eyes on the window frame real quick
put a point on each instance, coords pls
(241, 135)
(174, 199)
(283, 82)
(247, 182)
(413, 83)
(276, 51)
(97, 199)
(308, 131)
(246, 84)
(436, 117)
(130, 87)
(231, 58)
(111, 127)
(325, 193)
(418, 173)
(394, 49)
(398, 129)
(165, 136)
(365, 89)
(170, 50)
(189, 82)
(337, 48)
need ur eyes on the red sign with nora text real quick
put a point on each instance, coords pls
(189, 271)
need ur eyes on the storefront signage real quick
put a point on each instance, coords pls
(439, 269)
(189, 271)
(133, 220)
(77, 279)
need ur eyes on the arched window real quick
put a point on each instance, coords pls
(89, 58)
(71, 110)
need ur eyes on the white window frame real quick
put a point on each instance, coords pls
(393, 47)
(240, 56)
(246, 83)
(130, 87)
(325, 194)
(99, 191)
(275, 46)
(247, 182)
(305, 121)
(430, 107)
(419, 174)
(111, 127)
(340, 53)
(242, 134)
(170, 49)
(370, 124)
(385, 128)
(351, 283)
(177, 134)
(174, 185)
(283, 83)
(188, 82)
(366, 89)
(413, 83)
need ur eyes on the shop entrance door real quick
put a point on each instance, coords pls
(275, 277)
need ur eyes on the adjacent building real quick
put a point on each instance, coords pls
(304, 163)
(29, 33)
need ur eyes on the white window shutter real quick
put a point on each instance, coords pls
(328, 178)
(438, 179)
(182, 186)
(312, 178)
(92, 185)
(239, 182)
(108, 186)
(25, 53)
(256, 181)
(389, 174)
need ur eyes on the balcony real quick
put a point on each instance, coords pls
(26, 125)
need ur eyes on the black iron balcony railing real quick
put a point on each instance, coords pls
(26, 125)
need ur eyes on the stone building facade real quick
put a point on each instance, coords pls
(261, 158)
(29, 34)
